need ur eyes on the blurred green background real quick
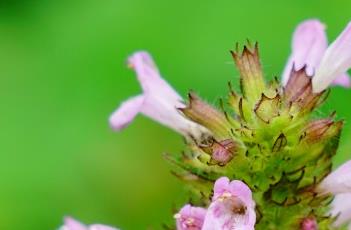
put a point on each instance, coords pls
(62, 72)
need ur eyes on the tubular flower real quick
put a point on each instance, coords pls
(232, 207)
(338, 181)
(72, 224)
(327, 65)
(159, 100)
(190, 218)
(267, 137)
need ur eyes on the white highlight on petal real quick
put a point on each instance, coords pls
(339, 181)
(159, 100)
(335, 62)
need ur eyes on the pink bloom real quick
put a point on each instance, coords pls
(159, 100)
(72, 224)
(190, 218)
(232, 207)
(327, 65)
(341, 208)
(339, 181)
(309, 223)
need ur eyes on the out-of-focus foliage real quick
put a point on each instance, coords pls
(62, 72)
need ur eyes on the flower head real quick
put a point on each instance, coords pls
(159, 100)
(190, 218)
(327, 65)
(72, 224)
(232, 207)
(265, 135)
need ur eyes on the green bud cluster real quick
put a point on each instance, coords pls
(267, 138)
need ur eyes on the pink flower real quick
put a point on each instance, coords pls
(190, 218)
(327, 65)
(309, 223)
(232, 207)
(339, 181)
(72, 224)
(159, 100)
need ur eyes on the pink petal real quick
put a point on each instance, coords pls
(190, 218)
(220, 216)
(339, 181)
(126, 112)
(343, 80)
(101, 227)
(308, 46)
(72, 224)
(341, 207)
(240, 189)
(159, 101)
(232, 207)
(335, 62)
(221, 185)
(149, 76)
(309, 223)
(235, 187)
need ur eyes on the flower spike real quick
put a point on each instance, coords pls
(266, 136)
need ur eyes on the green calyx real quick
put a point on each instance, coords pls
(266, 138)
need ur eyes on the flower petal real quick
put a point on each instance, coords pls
(126, 112)
(235, 188)
(190, 218)
(101, 227)
(232, 207)
(72, 224)
(308, 46)
(159, 101)
(221, 185)
(309, 223)
(339, 181)
(341, 207)
(229, 214)
(149, 77)
(335, 62)
(343, 80)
